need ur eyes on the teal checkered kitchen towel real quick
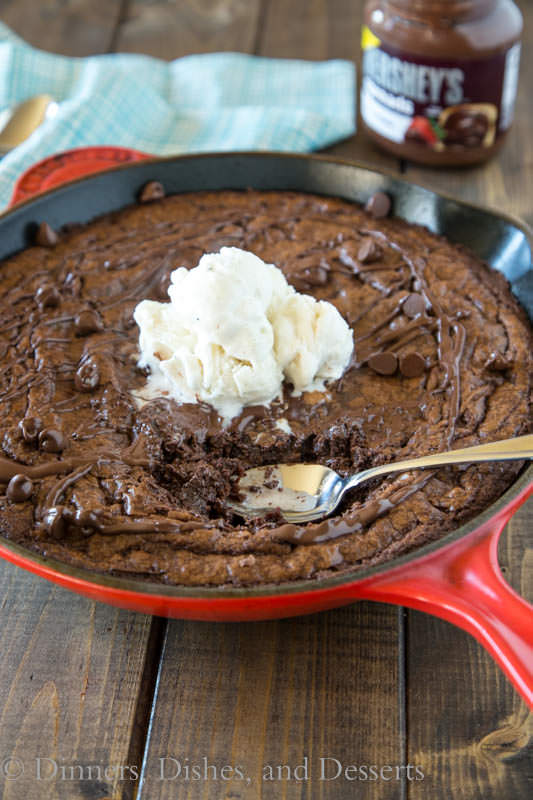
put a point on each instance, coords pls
(219, 101)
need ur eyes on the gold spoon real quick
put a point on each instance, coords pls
(24, 119)
(307, 492)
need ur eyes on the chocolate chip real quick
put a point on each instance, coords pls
(30, 428)
(87, 322)
(499, 362)
(47, 297)
(87, 376)
(318, 276)
(19, 488)
(378, 205)
(153, 190)
(412, 365)
(309, 277)
(413, 305)
(46, 236)
(51, 441)
(55, 522)
(89, 519)
(383, 363)
(369, 251)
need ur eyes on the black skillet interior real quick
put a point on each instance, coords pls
(500, 240)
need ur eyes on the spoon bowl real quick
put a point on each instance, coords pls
(309, 492)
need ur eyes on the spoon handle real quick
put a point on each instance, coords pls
(521, 447)
(25, 118)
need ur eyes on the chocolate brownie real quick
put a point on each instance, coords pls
(442, 359)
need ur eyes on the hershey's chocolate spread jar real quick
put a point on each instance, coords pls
(439, 77)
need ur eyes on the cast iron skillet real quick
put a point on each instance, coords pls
(456, 578)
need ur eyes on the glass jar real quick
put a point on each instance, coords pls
(439, 77)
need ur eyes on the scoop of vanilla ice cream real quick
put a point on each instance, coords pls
(233, 331)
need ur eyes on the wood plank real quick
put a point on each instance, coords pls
(311, 29)
(473, 738)
(316, 30)
(69, 27)
(273, 693)
(253, 659)
(171, 28)
(468, 729)
(71, 675)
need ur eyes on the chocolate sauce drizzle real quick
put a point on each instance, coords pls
(96, 276)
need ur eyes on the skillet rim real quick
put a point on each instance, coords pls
(342, 578)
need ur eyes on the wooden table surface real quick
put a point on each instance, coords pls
(86, 685)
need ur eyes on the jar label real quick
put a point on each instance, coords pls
(441, 104)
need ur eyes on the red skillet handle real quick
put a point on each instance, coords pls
(461, 583)
(464, 585)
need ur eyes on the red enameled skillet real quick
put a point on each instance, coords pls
(456, 578)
